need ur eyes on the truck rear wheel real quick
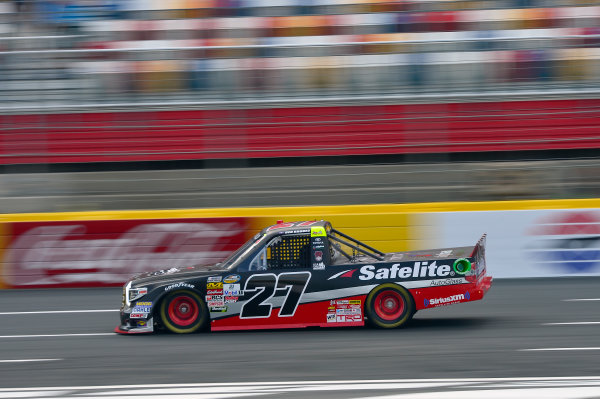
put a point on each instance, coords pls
(389, 306)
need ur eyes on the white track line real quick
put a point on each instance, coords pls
(28, 360)
(572, 323)
(566, 381)
(581, 300)
(597, 348)
(496, 388)
(56, 335)
(511, 393)
(60, 311)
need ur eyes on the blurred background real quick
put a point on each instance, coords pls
(140, 104)
(157, 112)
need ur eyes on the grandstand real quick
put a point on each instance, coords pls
(114, 85)
(103, 51)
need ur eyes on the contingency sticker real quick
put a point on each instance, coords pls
(344, 311)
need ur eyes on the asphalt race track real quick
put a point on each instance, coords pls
(510, 345)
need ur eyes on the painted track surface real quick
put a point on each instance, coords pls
(483, 339)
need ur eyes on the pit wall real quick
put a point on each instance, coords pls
(93, 249)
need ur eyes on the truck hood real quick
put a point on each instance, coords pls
(176, 273)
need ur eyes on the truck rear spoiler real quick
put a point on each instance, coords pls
(478, 256)
(480, 246)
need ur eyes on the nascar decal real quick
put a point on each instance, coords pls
(232, 279)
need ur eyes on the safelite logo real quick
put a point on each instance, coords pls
(569, 242)
(343, 274)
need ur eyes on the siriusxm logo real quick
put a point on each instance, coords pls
(447, 300)
(418, 270)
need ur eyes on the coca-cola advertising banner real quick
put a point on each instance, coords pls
(108, 252)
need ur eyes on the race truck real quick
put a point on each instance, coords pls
(303, 274)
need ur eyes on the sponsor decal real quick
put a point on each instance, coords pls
(214, 279)
(320, 246)
(318, 266)
(214, 292)
(342, 301)
(231, 299)
(214, 304)
(331, 318)
(141, 323)
(138, 315)
(447, 300)
(143, 304)
(445, 253)
(397, 257)
(232, 290)
(178, 285)
(317, 232)
(219, 309)
(318, 239)
(214, 286)
(418, 270)
(141, 309)
(331, 308)
(231, 287)
(448, 281)
(214, 298)
(347, 311)
(318, 256)
(340, 318)
(568, 242)
(232, 278)
(355, 302)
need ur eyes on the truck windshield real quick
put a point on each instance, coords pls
(235, 255)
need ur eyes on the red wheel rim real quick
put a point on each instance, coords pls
(183, 310)
(389, 305)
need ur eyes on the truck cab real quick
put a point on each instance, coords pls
(302, 245)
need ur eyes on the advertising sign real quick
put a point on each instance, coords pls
(527, 243)
(108, 252)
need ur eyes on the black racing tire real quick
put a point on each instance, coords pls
(389, 306)
(183, 312)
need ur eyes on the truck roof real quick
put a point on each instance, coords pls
(287, 227)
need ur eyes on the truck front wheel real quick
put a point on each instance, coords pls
(183, 312)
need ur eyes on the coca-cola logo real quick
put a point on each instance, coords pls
(88, 253)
